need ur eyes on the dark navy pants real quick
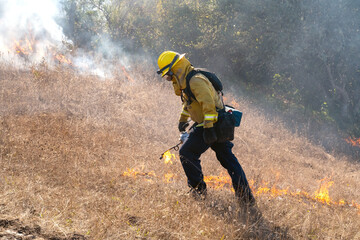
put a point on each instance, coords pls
(190, 153)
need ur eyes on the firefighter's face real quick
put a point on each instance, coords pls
(168, 77)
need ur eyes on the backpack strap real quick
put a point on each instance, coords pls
(214, 80)
(187, 89)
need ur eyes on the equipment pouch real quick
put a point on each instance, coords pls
(236, 113)
(225, 126)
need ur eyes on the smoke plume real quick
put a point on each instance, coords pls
(28, 29)
(30, 34)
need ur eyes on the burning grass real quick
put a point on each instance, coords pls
(353, 141)
(80, 155)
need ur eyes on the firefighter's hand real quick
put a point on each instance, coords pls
(182, 126)
(209, 136)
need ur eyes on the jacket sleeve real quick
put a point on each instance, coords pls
(204, 94)
(184, 116)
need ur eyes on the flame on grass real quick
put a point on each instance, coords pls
(24, 47)
(264, 189)
(168, 156)
(28, 46)
(62, 59)
(322, 194)
(169, 177)
(223, 181)
(219, 182)
(135, 172)
(127, 75)
(353, 141)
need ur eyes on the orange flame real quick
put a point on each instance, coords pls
(322, 194)
(168, 156)
(218, 182)
(127, 75)
(353, 141)
(61, 58)
(169, 177)
(24, 47)
(134, 172)
(222, 181)
(274, 191)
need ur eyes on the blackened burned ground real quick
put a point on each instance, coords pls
(15, 230)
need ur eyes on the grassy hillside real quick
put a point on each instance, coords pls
(80, 159)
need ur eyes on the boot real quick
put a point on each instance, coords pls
(245, 197)
(199, 192)
(198, 195)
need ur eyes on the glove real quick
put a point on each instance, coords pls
(209, 136)
(183, 136)
(182, 126)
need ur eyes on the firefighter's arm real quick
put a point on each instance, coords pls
(184, 116)
(203, 93)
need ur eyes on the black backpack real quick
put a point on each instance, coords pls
(209, 75)
(227, 119)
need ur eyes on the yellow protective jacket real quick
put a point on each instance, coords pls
(203, 109)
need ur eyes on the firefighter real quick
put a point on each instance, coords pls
(203, 111)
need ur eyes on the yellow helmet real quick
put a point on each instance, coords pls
(167, 60)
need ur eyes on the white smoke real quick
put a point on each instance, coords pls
(29, 26)
(29, 35)
(39, 14)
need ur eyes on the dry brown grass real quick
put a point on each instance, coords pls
(67, 139)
